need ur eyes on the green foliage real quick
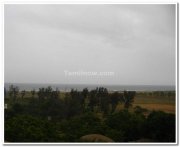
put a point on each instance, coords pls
(5, 93)
(160, 126)
(128, 98)
(116, 135)
(140, 110)
(23, 128)
(17, 108)
(13, 92)
(85, 92)
(23, 93)
(72, 129)
(128, 124)
(51, 118)
(73, 106)
(33, 92)
(114, 99)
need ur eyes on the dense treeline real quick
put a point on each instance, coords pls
(158, 93)
(47, 116)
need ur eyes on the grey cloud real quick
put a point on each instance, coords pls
(135, 41)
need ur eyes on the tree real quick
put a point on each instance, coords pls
(76, 127)
(127, 125)
(92, 99)
(55, 94)
(33, 92)
(24, 128)
(48, 92)
(78, 96)
(160, 126)
(114, 99)
(103, 99)
(41, 93)
(73, 104)
(17, 108)
(5, 93)
(13, 92)
(11, 87)
(104, 104)
(23, 93)
(128, 98)
(139, 110)
(85, 92)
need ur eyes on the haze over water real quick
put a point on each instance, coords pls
(68, 87)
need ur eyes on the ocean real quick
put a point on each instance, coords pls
(79, 87)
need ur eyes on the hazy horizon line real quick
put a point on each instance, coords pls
(90, 84)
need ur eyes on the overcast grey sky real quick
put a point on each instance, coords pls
(136, 42)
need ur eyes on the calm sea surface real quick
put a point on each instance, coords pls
(68, 87)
